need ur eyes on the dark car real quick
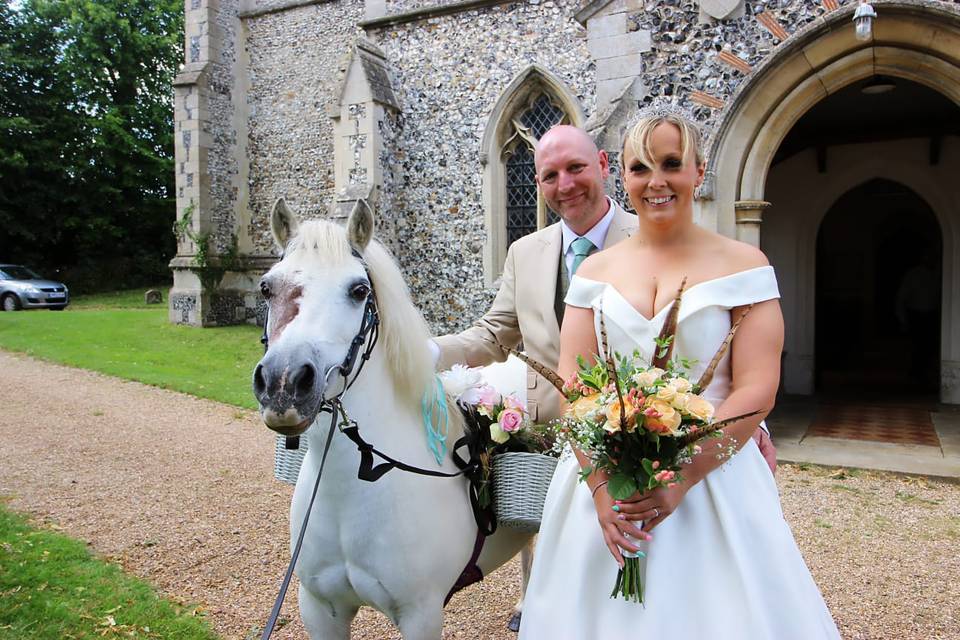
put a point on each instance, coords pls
(22, 288)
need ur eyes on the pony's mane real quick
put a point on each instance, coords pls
(403, 331)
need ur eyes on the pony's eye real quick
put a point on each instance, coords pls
(265, 289)
(360, 291)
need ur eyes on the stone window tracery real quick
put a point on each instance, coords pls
(513, 207)
(525, 209)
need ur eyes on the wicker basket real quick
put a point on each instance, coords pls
(520, 483)
(286, 462)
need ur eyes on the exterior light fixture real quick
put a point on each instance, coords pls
(863, 20)
(877, 85)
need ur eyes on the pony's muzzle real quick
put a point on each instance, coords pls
(288, 393)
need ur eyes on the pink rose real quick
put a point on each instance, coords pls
(511, 402)
(487, 400)
(489, 395)
(511, 420)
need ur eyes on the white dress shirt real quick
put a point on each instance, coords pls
(597, 235)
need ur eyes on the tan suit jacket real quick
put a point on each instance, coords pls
(523, 312)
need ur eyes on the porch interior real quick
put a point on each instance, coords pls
(906, 434)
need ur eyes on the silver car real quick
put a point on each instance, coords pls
(22, 288)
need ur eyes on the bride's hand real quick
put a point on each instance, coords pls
(653, 506)
(614, 525)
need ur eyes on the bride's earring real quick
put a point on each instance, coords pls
(696, 191)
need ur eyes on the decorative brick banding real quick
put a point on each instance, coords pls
(706, 99)
(771, 24)
(734, 61)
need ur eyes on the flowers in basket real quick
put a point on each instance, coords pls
(639, 422)
(500, 422)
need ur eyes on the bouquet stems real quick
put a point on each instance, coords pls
(629, 583)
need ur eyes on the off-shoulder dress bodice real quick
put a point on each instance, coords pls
(703, 321)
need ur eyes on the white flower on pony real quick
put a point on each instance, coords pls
(463, 383)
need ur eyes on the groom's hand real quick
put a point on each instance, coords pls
(616, 526)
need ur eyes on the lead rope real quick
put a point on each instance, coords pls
(275, 612)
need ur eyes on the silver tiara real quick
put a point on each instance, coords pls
(663, 106)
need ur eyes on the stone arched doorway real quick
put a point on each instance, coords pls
(757, 185)
(877, 300)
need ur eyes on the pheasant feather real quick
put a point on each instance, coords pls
(703, 432)
(549, 374)
(707, 376)
(664, 342)
(611, 368)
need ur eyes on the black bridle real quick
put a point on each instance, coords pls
(361, 347)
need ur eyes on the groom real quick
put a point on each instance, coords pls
(528, 309)
(529, 306)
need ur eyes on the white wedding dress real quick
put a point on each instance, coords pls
(724, 565)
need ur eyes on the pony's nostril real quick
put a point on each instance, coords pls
(259, 383)
(304, 380)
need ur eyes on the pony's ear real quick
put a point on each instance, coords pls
(283, 224)
(360, 225)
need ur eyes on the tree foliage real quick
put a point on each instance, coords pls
(86, 137)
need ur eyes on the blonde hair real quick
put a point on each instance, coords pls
(639, 134)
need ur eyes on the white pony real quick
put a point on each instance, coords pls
(400, 543)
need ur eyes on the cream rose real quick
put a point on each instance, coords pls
(584, 406)
(681, 385)
(497, 434)
(667, 394)
(646, 378)
(680, 401)
(699, 408)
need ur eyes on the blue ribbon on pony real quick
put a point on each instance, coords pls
(436, 436)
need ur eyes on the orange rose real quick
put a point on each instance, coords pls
(613, 416)
(660, 417)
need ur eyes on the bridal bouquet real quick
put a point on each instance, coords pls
(500, 422)
(639, 422)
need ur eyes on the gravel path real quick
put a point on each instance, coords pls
(180, 491)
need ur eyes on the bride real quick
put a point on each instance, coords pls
(721, 560)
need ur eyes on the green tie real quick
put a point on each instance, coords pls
(582, 247)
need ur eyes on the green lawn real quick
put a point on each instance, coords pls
(128, 299)
(101, 334)
(52, 589)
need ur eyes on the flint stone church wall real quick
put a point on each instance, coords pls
(271, 102)
(448, 72)
(224, 156)
(295, 58)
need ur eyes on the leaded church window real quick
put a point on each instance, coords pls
(526, 210)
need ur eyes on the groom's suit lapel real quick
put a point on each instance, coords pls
(621, 227)
(545, 264)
